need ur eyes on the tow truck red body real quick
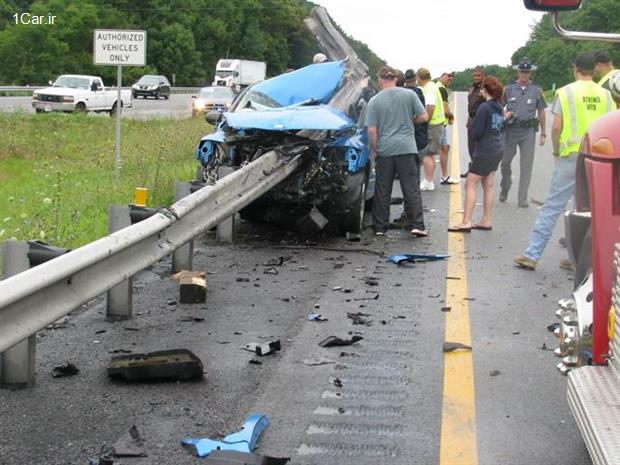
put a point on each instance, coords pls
(589, 335)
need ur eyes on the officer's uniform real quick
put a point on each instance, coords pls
(520, 131)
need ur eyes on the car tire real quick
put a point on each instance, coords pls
(80, 108)
(353, 221)
(157, 95)
(39, 110)
(113, 110)
(134, 96)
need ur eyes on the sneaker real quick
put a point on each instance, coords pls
(379, 233)
(523, 204)
(449, 180)
(419, 232)
(566, 264)
(427, 185)
(525, 262)
(503, 196)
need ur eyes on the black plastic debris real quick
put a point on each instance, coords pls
(335, 341)
(230, 457)
(129, 444)
(243, 280)
(360, 318)
(446, 309)
(264, 348)
(253, 361)
(495, 373)
(552, 327)
(371, 281)
(193, 319)
(62, 371)
(452, 346)
(176, 364)
(336, 382)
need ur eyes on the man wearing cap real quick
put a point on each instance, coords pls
(421, 129)
(390, 118)
(437, 118)
(474, 100)
(525, 113)
(443, 83)
(604, 71)
(575, 108)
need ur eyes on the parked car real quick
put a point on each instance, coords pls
(291, 113)
(151, 85)
(212, 99)
(80, 94)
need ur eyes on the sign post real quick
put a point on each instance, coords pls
(118, 47)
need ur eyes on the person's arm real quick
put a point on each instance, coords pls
(542, 118)
(372, 139)
(430, 110)
(447, 112)
(421, 118)
(556, 130)
(480, 122)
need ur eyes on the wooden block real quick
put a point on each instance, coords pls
(192, 287)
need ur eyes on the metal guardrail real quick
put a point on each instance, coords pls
(33, 299)
(27, 90)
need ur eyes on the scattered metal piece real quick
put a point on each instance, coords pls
(316, 317)
(272, 271)
(516, 333)
(336, 288)
(101, 331)
(334, 341)
(131, 328)
(243, 441)
(495, 373)
(453, 277)
(231, 457)
(399, 317)
(318, 361)
(62, 371)
(129, 444)
(452, 346)
(265, 348)
(446, 309)
(470, 299)
(176, 364)
(359, 318)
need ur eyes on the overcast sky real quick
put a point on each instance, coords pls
(441, 35)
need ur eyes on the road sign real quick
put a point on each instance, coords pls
(119, 47)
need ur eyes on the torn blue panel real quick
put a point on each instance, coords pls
(318, 118)
(206, 147)
(415, 258)
(358, 153)
(314, 82)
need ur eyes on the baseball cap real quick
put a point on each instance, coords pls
(602, 56)
(409, 75)
(387, 72)
(585, 61)
(424, 73)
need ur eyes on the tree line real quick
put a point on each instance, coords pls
(185, 38)
(551, 53)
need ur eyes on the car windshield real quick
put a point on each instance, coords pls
(72, 82)
(217, 92)
(253, 100)
(149, 80)
(223, 73)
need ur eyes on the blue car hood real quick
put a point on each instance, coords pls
(314, 82)
(318, 118)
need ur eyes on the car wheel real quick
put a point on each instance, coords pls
(157, 95)
(80, 108)
(113, 110)
(134, 95)
(353, 221)
(40, 110)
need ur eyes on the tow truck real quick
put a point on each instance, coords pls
(589, 327)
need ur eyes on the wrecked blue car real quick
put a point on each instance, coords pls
(294, 113)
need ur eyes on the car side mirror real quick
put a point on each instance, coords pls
(213, 117)
(552, 5)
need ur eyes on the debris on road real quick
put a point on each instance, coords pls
(335, 341)
(253, 361)
(359, 299)
(243, 441)
(452, 346)
(272, 271)
(318, 361)
(243, 280)
(360, 318)
(336, 288)
(192, 286)
(277, 261)
(316, 317)
(129, 444)
(231, 457)
(332, 249)
(415, 258)
(62, 371)
(193, 319)
(264, 348)
(552, 327)
(371, 281)
(336, 382)
(446, 309)
(495, 373)
(103, 460)
(176, 364)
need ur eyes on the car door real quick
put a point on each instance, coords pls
(97, 99)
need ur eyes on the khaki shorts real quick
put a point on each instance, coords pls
(435, 134)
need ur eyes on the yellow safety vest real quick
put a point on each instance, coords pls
(607, 77)
(582, 103)
(439, 116)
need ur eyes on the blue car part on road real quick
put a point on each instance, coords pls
(244, 440)
(415, 258)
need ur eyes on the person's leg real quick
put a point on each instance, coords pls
(429, 166)
(488, 186)
(384, 172)
(445, 152)
(510, 150)
(561, 190)
(409, 176)
(471, 184)
(527, 146)
(471, 142)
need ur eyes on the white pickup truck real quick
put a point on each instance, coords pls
(80, 94)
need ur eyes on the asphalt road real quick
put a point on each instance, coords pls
(178, 106)
(389, 408)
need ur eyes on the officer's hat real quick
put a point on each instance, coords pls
(525, 65)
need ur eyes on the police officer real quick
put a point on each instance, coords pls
(525, 112)
(576, 107)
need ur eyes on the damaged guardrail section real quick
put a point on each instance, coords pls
(35, 298)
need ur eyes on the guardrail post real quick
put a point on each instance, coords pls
(182, 258)
(226, 229)
(119, 298)
(17, 364)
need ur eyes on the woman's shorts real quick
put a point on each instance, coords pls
(484, 166)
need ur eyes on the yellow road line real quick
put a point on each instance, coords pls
(458, 444)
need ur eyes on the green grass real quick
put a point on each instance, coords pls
(57, 171)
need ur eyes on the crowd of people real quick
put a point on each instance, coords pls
(409, 124)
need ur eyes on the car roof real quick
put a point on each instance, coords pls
(79, 76)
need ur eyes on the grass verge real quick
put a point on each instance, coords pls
(57, 171)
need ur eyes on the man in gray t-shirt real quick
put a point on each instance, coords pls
(390, 119)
